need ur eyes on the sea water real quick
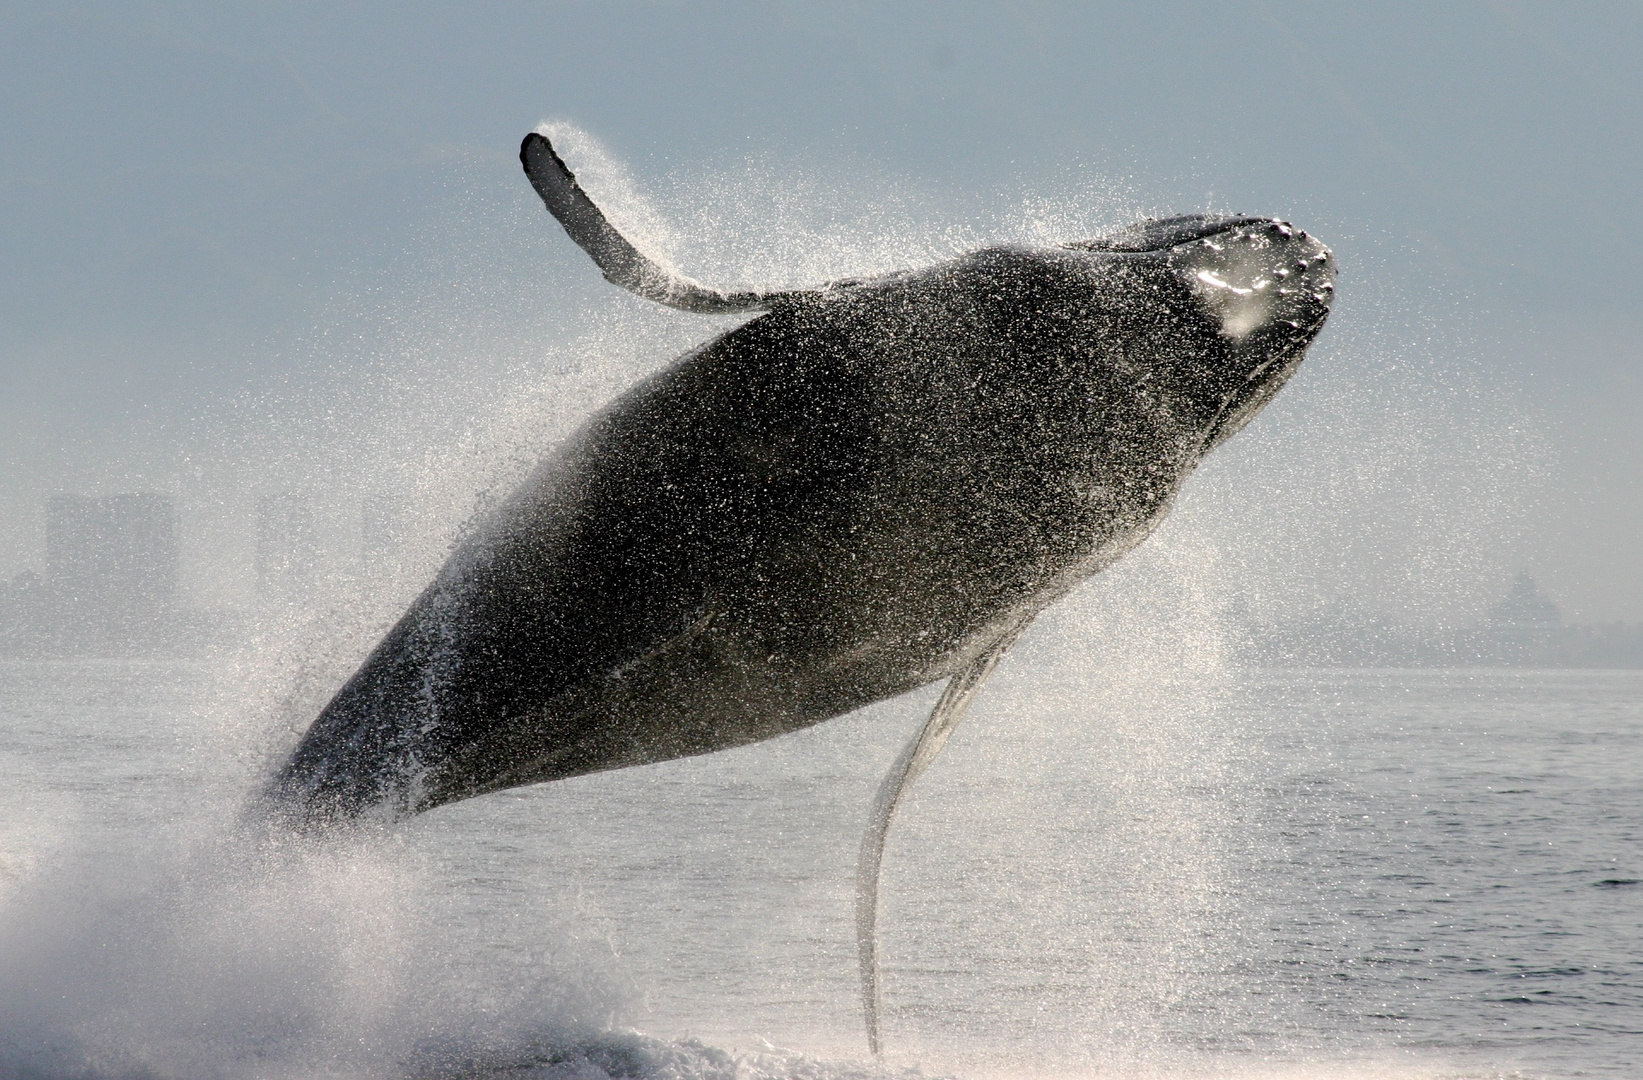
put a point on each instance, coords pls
(1108, 873)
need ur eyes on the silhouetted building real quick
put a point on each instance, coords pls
(1525, 609)
(1524, 627)
(111, 586)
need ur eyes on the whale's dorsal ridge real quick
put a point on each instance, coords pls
(621, 262)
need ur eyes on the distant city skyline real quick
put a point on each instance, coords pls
(131, 541)
(112, 582)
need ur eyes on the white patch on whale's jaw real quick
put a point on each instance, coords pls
(1252, 275)
(1240, 308)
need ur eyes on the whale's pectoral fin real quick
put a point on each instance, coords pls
(914, 759)
(622, 263)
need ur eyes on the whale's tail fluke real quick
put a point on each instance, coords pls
(622, 263)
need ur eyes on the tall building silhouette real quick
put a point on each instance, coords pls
(1525, 610)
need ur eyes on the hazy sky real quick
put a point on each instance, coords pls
(197, 204)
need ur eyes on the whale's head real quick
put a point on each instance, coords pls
(1239, 299)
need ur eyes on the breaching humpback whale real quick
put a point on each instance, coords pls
(872, 485)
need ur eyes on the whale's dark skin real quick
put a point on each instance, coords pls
(864, 489)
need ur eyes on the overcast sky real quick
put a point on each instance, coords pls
(198, 206)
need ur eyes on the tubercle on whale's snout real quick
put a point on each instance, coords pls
(1256, 277)
(1259, 279)
(1270, 289)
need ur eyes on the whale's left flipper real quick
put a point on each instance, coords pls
(914, 759)
(622, 263)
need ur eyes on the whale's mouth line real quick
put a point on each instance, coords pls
(1273, 373)
(1234, 402)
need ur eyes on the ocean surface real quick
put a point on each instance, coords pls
(1113, 870)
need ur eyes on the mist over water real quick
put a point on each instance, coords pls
(1084, 882)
